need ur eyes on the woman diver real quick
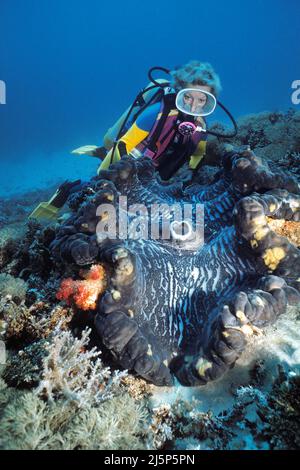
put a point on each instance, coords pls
(166, 122)
(169, 121)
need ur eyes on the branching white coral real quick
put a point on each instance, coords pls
(29, 422)
(75, 373)
(252, 393)
(162, 424)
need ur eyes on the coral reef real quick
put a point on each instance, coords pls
(56, 392)
(84, 293)
(291, 161)
(137, 388)
(239, 281)
(74, 405)
(181, 420)
(257, 419)
(280, 414)
(16, 320)
(10, 235)
(21, 324)
(244, 405)
(26, 256)
(286, 228)
(24, 368)
(15, 287)
(75, 373)
(30, 423)
(272, 135)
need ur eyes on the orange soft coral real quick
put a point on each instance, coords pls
(86, 292)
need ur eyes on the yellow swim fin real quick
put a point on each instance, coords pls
(92, 151)
(45, 211)
(50, 210)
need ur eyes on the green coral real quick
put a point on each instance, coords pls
(10, 237)
(29, 423)
(78, 404)
(21, 324)
(17, 321)
(257, 419)
(13, 286)
(25, 367)
(270, 134)
(281, 416)
(182, 420)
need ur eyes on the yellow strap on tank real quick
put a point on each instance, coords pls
(133, 137)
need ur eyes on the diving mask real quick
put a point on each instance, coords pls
(195, 102)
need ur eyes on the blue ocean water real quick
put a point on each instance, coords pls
(72, 67)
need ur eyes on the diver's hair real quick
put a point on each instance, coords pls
(196, 73)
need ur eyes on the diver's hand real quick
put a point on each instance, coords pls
(85, 150)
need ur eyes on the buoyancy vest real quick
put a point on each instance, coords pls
(165, 131)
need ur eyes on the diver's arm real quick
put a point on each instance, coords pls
(134, 136)
(111, 134)
(113, 131)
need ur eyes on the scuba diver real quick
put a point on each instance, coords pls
(166, 122)
(164, 118)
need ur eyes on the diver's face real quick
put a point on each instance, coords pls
(195, 100)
